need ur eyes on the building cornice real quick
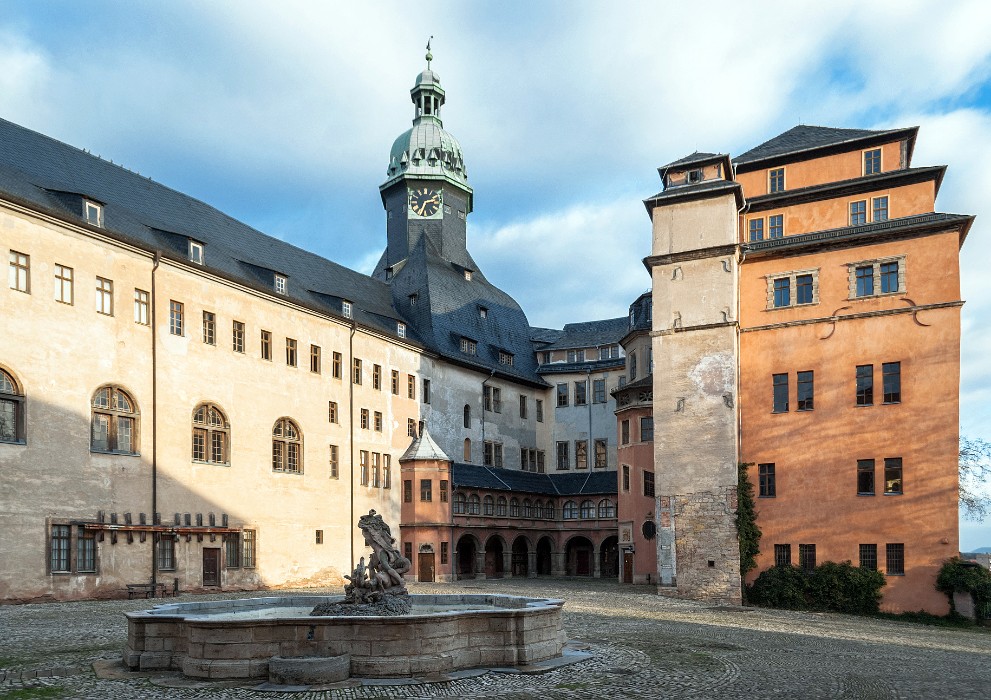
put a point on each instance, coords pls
(720, 251)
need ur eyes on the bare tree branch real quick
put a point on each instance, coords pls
(975, 473)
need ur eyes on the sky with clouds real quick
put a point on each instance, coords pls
(282, 114)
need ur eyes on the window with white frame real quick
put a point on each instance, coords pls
(280, 284)
(196, 252)
(93, 213)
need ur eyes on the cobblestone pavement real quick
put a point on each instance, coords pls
(643, 646)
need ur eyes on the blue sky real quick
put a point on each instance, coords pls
(282, 115)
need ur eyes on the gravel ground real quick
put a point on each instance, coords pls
(642, 645)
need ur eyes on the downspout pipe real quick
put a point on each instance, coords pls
(154, 421)
(350, 371)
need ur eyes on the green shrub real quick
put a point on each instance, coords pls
(959, 576)
(834, 587)
(780, 587)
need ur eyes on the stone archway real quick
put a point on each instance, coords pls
(579, 557)
(494, 553)
(467, 557)
(521, 556)
(609, 557)
(545, 556)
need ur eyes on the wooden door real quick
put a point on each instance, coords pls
(627, 567)
(425, 567)
(211, 566)
(582, 557)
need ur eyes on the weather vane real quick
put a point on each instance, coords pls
(430, 56)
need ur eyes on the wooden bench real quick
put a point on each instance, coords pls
(147, 589)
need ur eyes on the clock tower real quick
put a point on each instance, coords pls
(426, 194)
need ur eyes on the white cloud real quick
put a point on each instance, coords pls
(25, 71)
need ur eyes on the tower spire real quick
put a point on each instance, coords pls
(430, 56)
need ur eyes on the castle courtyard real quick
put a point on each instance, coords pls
(641, 645)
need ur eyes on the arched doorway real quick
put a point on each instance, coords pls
(521, 556)
(493, 557)
(578, 557)
(467, 554)
(545, 565)
(609, 557)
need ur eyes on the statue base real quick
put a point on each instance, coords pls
(387, 606)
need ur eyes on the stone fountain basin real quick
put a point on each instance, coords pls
(237, 638)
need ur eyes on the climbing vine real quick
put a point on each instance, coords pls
(747, 529)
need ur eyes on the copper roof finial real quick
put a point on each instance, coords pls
(430, 56)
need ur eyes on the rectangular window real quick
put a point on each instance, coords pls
(523, 407)
(175, 317)
(540, 462)
(879, 209)
(492, 454)
(378, 421)
(63, 284)
(338, 366)
(19, 276)
(581, 393)
(411, 386)
(443, 553)
(443, 491)
(779, 383)
(776, 226)
(266, 345)
(782, 555)
(872, 161)
(540, 410)
(889, 277)
(376, 470)
(346, 308)
(425, 391)
(803, 289)
(624, 431)
(868, 556)
(60, 548)
(315, 359)
(865, 385)
(363, 466)
(291, 352)
(782, 292)
(598, 391)
(581, 454)
(492, 399)
(807, 556)
(334, 461)
(648, 484)
(858, 213)
(646, 428)
(196, 252)
(401, 330)
(426, 490)
(407, 490)
(469, 346)
(93, 213)
(209, 328)
(232, 550)
(891, 381)
(563, 456)
(576, 356)
(806, 391)
(356, 371)
(562, 395)
(626, 477)
(166, 553)
(237, 336)
(601, 455)
(248, 550)
(387, 471)
(776, 180)
(865, 477)
(280, 284)
(395, 382)
(506, 358)
(893, 475)
(766, 483)
(364, 419)
(377, 377)
(105, 297)
(411, 427)
(895, 559)
(141, 305)
(756, 230)
(318, 537)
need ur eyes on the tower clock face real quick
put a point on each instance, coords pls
(425, 202)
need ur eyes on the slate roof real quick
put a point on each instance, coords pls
(565, 484)
(48, 175)
(692, 158)
(544, 335)
(424, 448)
(642, 383)
(806, 138)
(590, 334)
(697, 190)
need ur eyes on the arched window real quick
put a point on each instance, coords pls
(549, 510)
(501, 507)
(570, 510)
(467, 450)
(115, 422)
(588, 509)
(527, 508)
(607, 509)
(467, 416)
(514, 508)
(538, 509)
(211, 435)
(287, 447)
(459, 503)
(474, 504)
(11, 409)
(488, 506)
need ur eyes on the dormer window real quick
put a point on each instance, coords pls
(347, 309)
(505, 358)
(468, 275)
(388, 273)
(469, 346)
(401, 329)
(196, 252)
(483, 312)
(93, 213)
(280, 284)
(412, 299)
(694, 176)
